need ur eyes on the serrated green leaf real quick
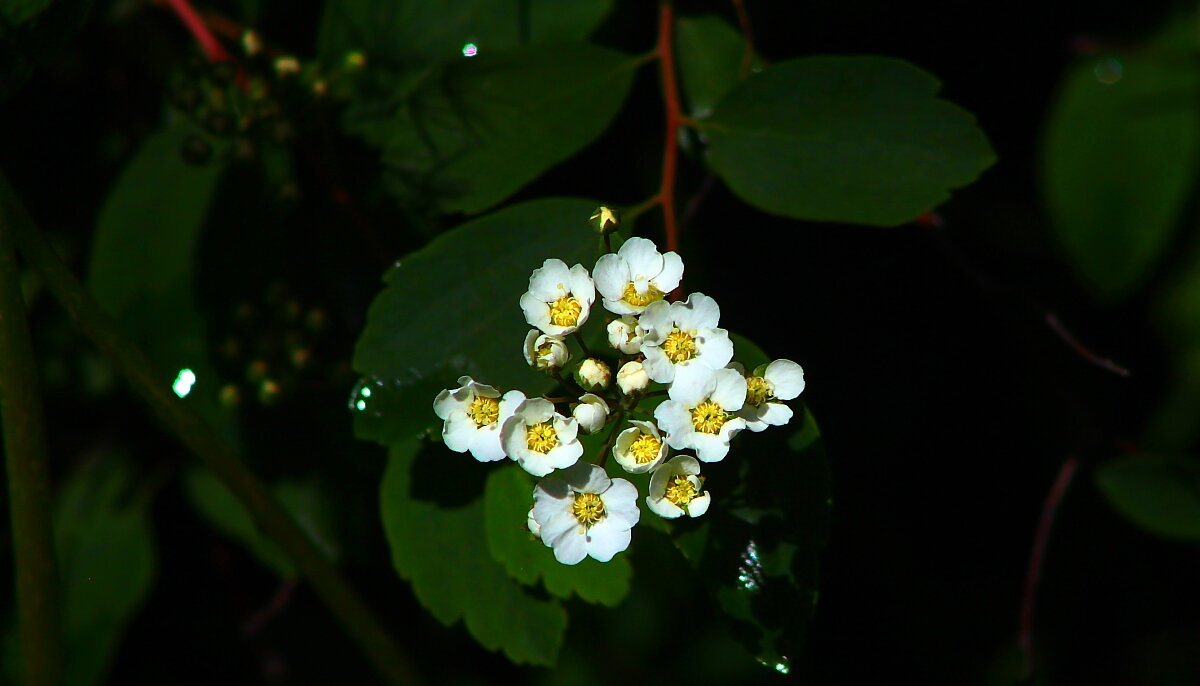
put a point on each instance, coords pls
(107, 564)
(452, 308)
(710, 60)
(304, 501)
(443, 552)
(473, 132)
(1120, 159)
(845, 139)
(416, 33)
(142, 265)
(507, 500)
(1158, 493)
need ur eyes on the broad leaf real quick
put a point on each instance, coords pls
(442, 550)
(710, 60)
(304, 501)
(845, 139)
(107, 563)
(507, 500)
(475, 131)
(415, 33)
(452, 308)
(1121, 151)
(1160, 494)
(142, 265)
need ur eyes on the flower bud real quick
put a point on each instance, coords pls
(632, 378)
(605, 220)
(591, 413)
(625, 335)
(535, 529)
(545, 353)
(593, 375)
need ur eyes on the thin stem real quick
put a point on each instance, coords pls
(28, 477)
(670, 91)
(195, 25)
(1102, 362)
(357, 619)
(747, 38)
(1036, 557)
(612, 438)
(579, 337)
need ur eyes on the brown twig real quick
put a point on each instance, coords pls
(747, 38)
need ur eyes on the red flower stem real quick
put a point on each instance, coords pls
(747, 38)
(199, 30)
(1036, 556)
(673, 118)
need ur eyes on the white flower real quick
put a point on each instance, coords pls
(636, 276)
(540, 439)
(700, 410)
(545, 352)
(582, 512)
(535, 529)
(675, 489)
(632, 378)
(639, 448)
(591, 413)
(559, 299)
(781, 380)
(593, 375)
(625, 335)
(474, 413)
(683, 333)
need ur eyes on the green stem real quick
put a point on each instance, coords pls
(612, 438)
(357, 619)
(28, 478)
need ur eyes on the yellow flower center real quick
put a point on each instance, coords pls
(541, 438)
(708, 417)
(758, 390)
(679, 346)
(645, 448)
(484, 411)
(636, 299)
(680, 491)
(565, 311)
(588, 509)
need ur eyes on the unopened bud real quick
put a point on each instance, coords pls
(593, 375)
(632, 378)
(605, 220)
(591, 413)
(625, 335)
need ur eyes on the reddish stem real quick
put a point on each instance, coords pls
(670, 89)
(1103, 362)
(747, 38)
(1036, 555)
(199, 30)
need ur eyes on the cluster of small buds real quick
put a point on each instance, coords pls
(659, 348)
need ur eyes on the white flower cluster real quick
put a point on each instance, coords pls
(580, 510)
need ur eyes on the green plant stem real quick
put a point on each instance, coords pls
(28, 478)
(612, 438)
(357, 619)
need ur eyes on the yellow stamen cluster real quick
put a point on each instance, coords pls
(758, 391)
(484, 411)
(565, 311)
(636, 299)
(541, 438)
(681, 491)
(588, 509)
(708, 417)
(679, 346)
(645, 448)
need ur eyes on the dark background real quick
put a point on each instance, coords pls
(947, 403)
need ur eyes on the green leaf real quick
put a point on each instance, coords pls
(107, 564)
(416, 33)
(475, 131)
(710, 60)
(747, 352)
(1158, 493)
(846, 139)
(1120, 159)
(507, 499)
(304, 501)
(142, 266)
(443, 552)
(452, 308)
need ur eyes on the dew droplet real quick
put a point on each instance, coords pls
(750, 574)
(470, 50)
(183, 382)
(363, 392)
(1108, 71)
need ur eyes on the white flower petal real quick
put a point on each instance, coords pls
(786, 377)
(610, 275)
(714, 348)
(583, 289)
(643, 259)
(663, 508)
(537, 312)
(485, 444)
(729, 389)
(585, 477)
(674, 419)
(559, 523)
(694, 383)
(656, 321)
(605, 540)
(775, 414)
(458, 432)
(570, 548)
(699, 505)
(657, 366)
(710, 448)
(697, 312)
(620, 504)
(672, 273)
(551, 281)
